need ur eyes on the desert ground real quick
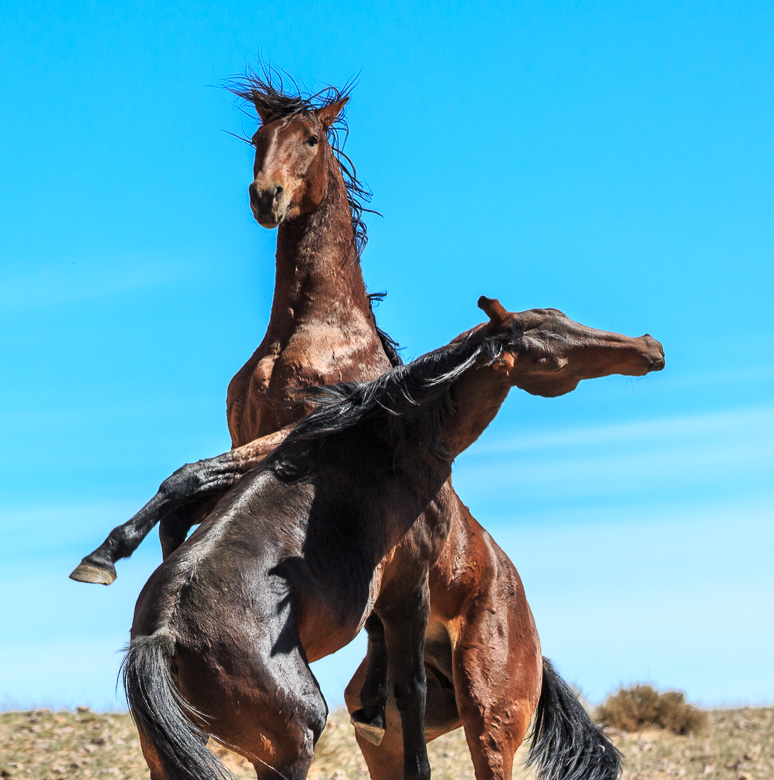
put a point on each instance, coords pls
(735, 744)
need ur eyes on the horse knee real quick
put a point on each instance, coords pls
(184, 482)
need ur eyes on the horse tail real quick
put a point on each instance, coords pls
(162, 714)
(566, 743)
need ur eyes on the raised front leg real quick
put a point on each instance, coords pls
(404, 637)
(191, 483)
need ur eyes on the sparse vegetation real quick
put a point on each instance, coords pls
(44, 745)
(642, 706)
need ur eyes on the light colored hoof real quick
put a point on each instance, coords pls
(88, 573)
(369, 733)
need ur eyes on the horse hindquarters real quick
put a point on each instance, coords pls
(260, 699)
(173, 746)
(269, 710)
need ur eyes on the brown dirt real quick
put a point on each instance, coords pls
(737, 744)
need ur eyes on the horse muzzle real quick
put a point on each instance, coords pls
(653, 354)
(269, 204)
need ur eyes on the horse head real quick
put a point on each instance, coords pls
(290, 170)
(548, 354)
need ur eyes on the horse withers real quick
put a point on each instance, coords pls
(342, 521)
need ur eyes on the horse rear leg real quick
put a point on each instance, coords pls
(497, 680)
(257, 693)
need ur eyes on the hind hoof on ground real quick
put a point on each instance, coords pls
(368, 731)
(99, 575)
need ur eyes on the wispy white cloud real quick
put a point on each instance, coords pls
(726, 453)
(665, 593)
(732, 423)
(73, 282)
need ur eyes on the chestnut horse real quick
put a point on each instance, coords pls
(321, 330)
(342, 521)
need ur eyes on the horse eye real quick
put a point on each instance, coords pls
(313, 140)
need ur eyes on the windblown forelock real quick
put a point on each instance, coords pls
(276, 95)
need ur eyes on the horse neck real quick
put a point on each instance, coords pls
(478, 395)
(318, 270)
(449, 424)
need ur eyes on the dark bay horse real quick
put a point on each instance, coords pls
(344, 520)
(473, 584)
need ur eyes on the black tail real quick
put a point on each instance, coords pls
(162, 714)
(566, 743)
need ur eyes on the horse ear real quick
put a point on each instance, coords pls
(493, 309)
(263, 113)
(327, 114)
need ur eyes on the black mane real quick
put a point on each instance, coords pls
(407, 403)
(389, 345)
(268, 92)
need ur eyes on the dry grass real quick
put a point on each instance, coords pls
(736, 744)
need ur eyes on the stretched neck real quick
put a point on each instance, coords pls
(477, 397)
(318, 271)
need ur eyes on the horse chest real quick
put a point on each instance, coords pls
(313, 356)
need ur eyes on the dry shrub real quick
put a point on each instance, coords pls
(675, 714)
(642, 706)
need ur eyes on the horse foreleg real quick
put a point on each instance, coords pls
(385, 761)
(405, 623)
(369, 718)
(191, 483)
(175, 525)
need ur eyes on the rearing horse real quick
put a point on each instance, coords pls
(321, 329)
(344, 520)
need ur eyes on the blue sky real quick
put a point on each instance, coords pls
(611, 160)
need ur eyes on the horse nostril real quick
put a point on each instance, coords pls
(258, 196)
(277, 192)
(657, 363)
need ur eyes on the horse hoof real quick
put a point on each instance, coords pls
(99, 575)
(369, 732)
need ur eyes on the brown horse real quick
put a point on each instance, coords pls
(344, 520)
(473, 584)
(321, 330)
